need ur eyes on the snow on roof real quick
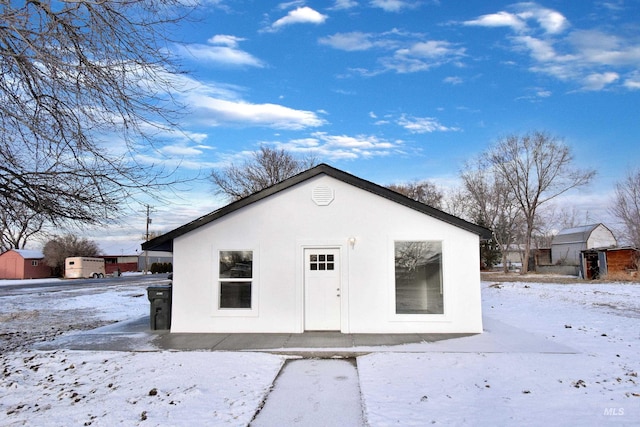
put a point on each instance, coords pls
(29, 253)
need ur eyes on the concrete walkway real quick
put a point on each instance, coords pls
(312, 392)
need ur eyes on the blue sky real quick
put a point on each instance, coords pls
(394, 90)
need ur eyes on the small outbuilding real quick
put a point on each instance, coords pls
(567, 245)
(24, 264)
(614, 263)
(325, 251)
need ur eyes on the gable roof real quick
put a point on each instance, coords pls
(165, 241)
(29, 254)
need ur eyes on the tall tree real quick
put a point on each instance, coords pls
(59, 248)
(493, 205)
(537, 168)
(85, 85)
(421, 191)
(626, 207)
(266, 167)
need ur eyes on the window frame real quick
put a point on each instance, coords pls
(392, 287)
(217, 310)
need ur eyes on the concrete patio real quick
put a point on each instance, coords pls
(135, 335)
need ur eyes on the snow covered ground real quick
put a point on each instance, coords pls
(597, 385)
(572, 357)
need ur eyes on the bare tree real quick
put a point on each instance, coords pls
(536, 167)
(493, 205)
(456, 202)
(18, 226)
(626, 207)
(266, 167)
(59, 248)
(84, 87)
(421, 191)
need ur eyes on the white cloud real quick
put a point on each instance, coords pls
(291, 4)
(344, 4)
(432, 49)
(550, 21)
(604, 49)
(220, 111)
(633, 81)
(394, 5)
(599, 81)
(540, 50)
(591, 59)
(422, 56)
(336, 147)
(348, 41)
(423, 124)
(402, 52)
(499, 19)
(225, 40)
(181, 150)
(223, 50)
(454, 80)
(301, 15)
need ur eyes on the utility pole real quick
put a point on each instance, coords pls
(146, 253)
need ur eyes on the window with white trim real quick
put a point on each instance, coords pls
(235, 279)
(418, 277)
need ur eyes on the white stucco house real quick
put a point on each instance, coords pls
(325, 251)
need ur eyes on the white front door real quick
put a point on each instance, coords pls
(322, 289)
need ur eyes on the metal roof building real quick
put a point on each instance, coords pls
(568, 243)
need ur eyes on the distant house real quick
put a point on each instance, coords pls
(325, 251)
(567, 245)
(120, 263)
(23, 264)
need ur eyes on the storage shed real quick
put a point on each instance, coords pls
(616, 263)
(568, 243)
(23, 264)
(325, 250)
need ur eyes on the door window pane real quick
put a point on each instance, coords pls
(322, 262)
(418, 274)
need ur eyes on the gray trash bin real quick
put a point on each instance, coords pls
(160, 310)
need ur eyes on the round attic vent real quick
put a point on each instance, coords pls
(322, 196)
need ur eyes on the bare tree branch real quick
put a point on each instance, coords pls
(421, 191)
(267, 167)
(626, 207)
(85, 84)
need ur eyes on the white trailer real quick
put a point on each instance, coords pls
(83, 267)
